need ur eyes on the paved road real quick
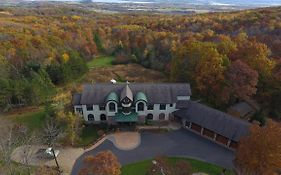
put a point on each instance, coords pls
(180, 143)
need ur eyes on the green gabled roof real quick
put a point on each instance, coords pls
(112, 96)
(120, 117)
(140, 96)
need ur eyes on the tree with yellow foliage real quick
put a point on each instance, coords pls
(65, 57)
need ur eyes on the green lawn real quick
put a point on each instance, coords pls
(101, 61)
(140, 168)
(33, 120)
(89, 135)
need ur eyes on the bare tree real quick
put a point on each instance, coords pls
(27, 151)
(12, 137)
(51, 132)
(6, 147)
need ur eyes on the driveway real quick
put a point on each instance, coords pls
(180, 143)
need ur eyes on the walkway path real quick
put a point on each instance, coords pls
(170, 126)
(68, 156)
(125, 140)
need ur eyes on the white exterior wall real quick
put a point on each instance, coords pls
(96, 112)
(77, 106)
(183, 97)
(156, 111)
(86, 112)
(76, 112)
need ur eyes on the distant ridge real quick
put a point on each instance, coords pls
(248, 3)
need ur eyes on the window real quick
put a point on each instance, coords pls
(112, 107)
(91, 117)
(102, 108)
(149, 117)
(140, 106)
(171, 105)
(162, 116)
(79, 110)
(102, 117)
(150, 107)
(162, 106)
(208, 133)
(126, 100)
(90, 107)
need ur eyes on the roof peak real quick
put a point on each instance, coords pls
(127, 92)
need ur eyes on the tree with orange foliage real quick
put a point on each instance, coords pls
(259, 153)
(104, 163)
(255, 54)
(242, 79)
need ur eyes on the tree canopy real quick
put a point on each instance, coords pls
(260, 152)
(201, 49)
(104, 163)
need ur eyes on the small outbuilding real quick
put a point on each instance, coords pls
(213, 124)
(242, 110)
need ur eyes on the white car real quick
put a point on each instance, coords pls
(49, 153)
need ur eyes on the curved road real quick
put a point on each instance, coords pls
(180, 143)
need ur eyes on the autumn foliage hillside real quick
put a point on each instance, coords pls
(227, 57)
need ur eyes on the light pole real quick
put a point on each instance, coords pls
(55, 157)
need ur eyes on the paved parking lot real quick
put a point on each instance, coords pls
(180, 143)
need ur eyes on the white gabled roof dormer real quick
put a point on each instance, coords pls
(126, 93)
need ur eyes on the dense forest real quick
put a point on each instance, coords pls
(227, 57)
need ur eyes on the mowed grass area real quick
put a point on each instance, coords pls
(101, 61)
(140, 168)
(32, 120)
(88, 136)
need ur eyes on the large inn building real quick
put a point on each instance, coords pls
(138, 102)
